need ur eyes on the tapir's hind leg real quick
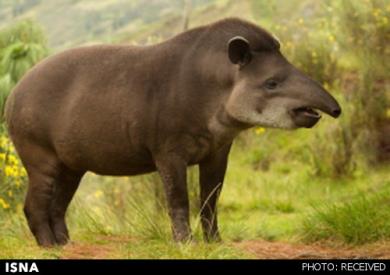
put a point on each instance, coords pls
(50, 190)
(37, 203)
(64, 190)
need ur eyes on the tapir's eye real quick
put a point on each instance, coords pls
(271, 84)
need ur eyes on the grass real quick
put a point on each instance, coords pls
(93, 245)
(365, 218)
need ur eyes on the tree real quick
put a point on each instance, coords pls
(21, 46)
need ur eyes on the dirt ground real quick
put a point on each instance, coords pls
(105, 250)
(259, 249)
(279, 250)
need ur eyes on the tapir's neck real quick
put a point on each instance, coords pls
(206, 76)
(224, 127)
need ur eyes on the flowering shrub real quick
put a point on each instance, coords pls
(21, 46)
(12, 176)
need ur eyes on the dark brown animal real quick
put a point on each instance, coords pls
(125, 110)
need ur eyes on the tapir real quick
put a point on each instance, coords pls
(124, 110)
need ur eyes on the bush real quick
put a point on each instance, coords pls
(341, 44)
(364, 32)
(21, 46)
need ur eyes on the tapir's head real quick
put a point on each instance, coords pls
(269, 91)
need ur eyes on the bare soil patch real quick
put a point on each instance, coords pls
(108, 247)
(262, 249)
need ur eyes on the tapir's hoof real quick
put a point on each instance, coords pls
(62, 242)
(213, 239)
(46, 243)
(183, 238)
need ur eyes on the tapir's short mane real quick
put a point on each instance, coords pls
(220, 32)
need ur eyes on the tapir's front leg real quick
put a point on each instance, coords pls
(212, 173)
(173, 171)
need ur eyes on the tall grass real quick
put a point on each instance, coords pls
(130, 206)
(362, 219)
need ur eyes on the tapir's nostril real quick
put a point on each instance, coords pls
(336, 112)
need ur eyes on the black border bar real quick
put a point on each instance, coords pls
(200, 267)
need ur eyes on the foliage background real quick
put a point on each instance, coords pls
(328, 184)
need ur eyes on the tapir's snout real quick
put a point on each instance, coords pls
(313, 97)
(326, 102)
(336, 112)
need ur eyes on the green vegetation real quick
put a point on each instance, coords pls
(328, 184)
(21, 46)
(365, 218)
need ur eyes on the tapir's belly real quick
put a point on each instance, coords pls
(114, 158)
(106, 143)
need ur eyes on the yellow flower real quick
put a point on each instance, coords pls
(326, 85)
(97, 210)
(4, 204)
(301, 21)
(17, 183)
(12, 160)
(10, 194)
(331, 38)
(289, 44)
(4, 142)
(388, 112)
(2, 156)
(98, 194)
(22, 172)
(14, 171)
(8, 171)
(17, 171)
(259, 130)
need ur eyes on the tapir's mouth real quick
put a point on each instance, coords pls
(305, 116)
(306, 111)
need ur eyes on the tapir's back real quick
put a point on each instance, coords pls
(54, 80)
(78, 104)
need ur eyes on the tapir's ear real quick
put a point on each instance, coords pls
(239, 51)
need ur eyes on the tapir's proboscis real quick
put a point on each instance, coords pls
(127, 110)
